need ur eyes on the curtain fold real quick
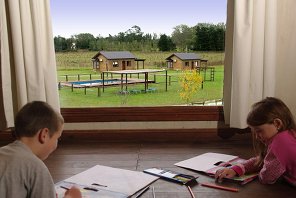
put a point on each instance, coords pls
(252, 56)
(28, 66)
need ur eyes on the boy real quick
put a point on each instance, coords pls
(22, 171)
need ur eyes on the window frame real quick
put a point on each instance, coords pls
(130, 114)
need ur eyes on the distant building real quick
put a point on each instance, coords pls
(185, 61)
(115, 60)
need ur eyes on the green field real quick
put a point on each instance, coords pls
(80, 63)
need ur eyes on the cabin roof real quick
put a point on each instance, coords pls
(185, 56)
(115, 55)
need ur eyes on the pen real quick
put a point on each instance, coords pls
(64, 187)
(142, 191)
(210, 185)
(89, 188)
(191, 193)
(96, 184)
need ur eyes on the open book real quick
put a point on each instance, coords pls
(209, 163)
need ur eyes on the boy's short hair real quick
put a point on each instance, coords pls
(34, 116)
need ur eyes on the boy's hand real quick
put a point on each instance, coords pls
(224, 173)
(73, 192)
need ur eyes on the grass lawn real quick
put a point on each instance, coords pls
(212, 90)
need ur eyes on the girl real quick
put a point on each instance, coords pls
(274, 140)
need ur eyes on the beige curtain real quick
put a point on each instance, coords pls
(259, 56)
(28, 68)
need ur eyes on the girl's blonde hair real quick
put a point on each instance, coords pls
(265, 112)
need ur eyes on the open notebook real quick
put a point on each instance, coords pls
(209, 163)
(104, 181)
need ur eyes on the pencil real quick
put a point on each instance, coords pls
(142, 191)
(191, 193)
(211, 185)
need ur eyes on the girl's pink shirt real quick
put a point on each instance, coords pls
(283, 146)
(279, 161)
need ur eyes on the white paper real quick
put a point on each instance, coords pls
(205, 161)
(118, 180)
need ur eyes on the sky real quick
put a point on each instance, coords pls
(104, 17)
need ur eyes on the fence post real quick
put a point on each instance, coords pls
(166, 80)
(99, 91)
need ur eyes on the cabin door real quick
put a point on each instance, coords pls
(123, 65)
(192, 65)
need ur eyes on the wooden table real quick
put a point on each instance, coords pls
(72, 158)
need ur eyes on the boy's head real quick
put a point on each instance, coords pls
(39, 126)
(34, 116)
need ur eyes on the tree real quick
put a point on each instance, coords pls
(202, 37)
(165, 43)
(209, 37)
(134, 33)
(220, 37)
(60, 44)
(183, 36)
(190, 82)
(83, 40)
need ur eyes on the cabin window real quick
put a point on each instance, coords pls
(115, 64)
(186, 64)
(128, 63)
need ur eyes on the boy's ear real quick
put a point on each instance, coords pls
(42, 135)
(278, 123)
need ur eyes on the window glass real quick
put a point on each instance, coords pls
(115, 64)
(156, 52)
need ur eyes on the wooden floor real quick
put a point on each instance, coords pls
(72, 158)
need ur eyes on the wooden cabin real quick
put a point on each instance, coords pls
(184, 61)
(115, 60)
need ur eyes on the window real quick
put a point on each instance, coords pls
(115, 64)
(92, 93)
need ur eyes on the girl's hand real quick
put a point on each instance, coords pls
(224, 173)
(73, 192)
